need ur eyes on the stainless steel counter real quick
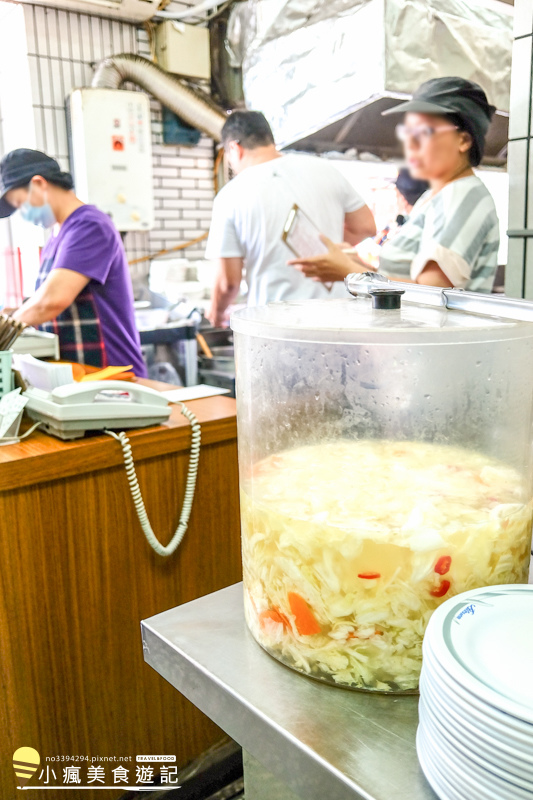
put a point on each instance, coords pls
(322, 742)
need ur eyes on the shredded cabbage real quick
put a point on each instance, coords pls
(362, 540)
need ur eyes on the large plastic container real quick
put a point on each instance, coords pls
(385, 465)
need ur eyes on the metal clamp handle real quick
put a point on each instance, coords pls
(492, 305)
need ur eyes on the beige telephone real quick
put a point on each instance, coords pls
(71, 410)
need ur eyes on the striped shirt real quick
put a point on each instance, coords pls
(458, 228)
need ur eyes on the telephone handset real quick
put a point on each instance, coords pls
(71, 410)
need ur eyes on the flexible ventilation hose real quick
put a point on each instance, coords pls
(192, 105)
(190, 487)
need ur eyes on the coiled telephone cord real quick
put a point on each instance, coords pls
(190, 486)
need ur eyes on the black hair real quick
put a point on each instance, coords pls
(410, 188)
(62, 180)
(249, 128)
(475, 154)
(411, 196)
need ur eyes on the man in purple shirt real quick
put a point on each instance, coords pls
(83, 291)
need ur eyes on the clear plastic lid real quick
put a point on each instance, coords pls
(361, 319)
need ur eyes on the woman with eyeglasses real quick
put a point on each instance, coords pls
(451, 237)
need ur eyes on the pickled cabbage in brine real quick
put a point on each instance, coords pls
(349, 546)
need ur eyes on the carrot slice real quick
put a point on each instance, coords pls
(369, 576)
(306, 623)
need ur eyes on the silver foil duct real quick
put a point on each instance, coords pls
(309, 64)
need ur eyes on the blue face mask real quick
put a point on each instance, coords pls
(38, 215)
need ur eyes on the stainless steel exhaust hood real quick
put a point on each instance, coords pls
(323, 73)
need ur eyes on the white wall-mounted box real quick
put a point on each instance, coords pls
(127, 10)
(183, 49)
(111, 154)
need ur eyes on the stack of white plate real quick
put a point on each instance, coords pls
(475, 738)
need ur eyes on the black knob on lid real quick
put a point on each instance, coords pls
(387, 299)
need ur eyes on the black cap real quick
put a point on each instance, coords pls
(386, 299)
(455, 96)
(411, 188)
(18, 167)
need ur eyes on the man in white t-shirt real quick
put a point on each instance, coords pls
(250, 212)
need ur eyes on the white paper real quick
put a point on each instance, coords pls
(193, 393)
(45, 375)
(11, 408)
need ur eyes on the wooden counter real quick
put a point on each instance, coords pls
(77, 577)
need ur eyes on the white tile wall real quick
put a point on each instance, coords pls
(63, 46)
(520, 88)
(523, 19)
(514, 272)
(519, 270)
(517, 166)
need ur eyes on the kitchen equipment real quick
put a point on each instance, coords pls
(218, 369)
(172, 348)
(204, 346)
(385, 466)
(222, 359)
(475, 735)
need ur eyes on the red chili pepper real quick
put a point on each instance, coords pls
(369, 576)
(441, 590)
(443, 565)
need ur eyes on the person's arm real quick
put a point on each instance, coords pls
(432, 275)
(359, 221)
(359, 225)
(226, 288)
(53, 296)
(335, 265)
(332, 266)
(453, 239)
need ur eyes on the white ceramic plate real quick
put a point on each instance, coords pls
(481, 639)
(471, 779)
(450, 784)
(439, 780)
(453, 693)
(478, 738)
(438, 784)
(488, 755)
(465, 754)
(518, 741)
(465, 768)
